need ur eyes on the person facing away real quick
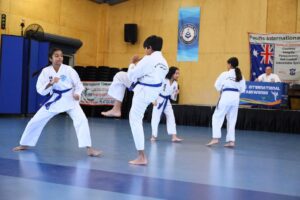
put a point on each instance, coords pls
(230, 84)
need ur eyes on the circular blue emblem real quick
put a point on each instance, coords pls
(188, 33)
(63, 77)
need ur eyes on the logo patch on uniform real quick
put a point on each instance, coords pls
(165, 85)
(188, 34)
(161, 65)
(63, 77)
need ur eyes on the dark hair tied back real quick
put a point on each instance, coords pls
(234, 62)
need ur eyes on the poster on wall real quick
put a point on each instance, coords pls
(95, 93)
(279, 51)
(188, 34)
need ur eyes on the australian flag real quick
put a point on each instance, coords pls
(262, 55)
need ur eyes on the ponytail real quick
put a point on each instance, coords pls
(234, 62)
(238, 74)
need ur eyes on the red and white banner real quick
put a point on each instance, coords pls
(95, 93)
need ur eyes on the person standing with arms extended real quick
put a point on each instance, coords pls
(230, 84)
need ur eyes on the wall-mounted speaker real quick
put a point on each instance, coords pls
(130, 33)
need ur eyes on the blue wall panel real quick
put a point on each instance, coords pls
(38, 59)
(11, 74)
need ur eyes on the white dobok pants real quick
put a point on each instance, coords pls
(35, 126)
(156, 116)
(136, 115)
(118, 87)
(231, 112)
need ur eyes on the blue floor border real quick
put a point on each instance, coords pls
(128, 184)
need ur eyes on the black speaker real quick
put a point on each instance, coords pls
(130, 33)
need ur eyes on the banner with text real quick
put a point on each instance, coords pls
(279, 51)
(263, 93)
(188, 34)
(95, 93)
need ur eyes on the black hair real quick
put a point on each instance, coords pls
(51, 52)
(234, 62)
(172, 71)
(153, 41)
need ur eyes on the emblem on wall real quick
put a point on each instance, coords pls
(188, 33)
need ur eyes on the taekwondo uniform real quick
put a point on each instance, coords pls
(271, 78)
(61, 100)
(147, 75)
(164, 106)
(118, 86)
(228, 104)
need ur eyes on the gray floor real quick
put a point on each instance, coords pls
(261, 164)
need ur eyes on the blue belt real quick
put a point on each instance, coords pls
(230, 89)
(59, 92)
(164, 103)
(145, 84)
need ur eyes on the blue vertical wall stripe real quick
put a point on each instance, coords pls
(38, 59)
(25, 58)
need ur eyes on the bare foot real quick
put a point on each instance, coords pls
(153, 139)
(93, 152)
(229, 144)
(139, 161)
(212, 142)
(176, 139)
(20, 148)
(111, 113)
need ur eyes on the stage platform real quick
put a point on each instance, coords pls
(259, 119)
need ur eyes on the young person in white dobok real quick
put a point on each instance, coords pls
(163, 105)
(230, 83)
(63, 84)
(147, 75)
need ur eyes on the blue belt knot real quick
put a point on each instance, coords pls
(59, 92)
(165, 102)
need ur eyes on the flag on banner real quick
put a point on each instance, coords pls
(279, 51)
(262, 56)
(188, 34)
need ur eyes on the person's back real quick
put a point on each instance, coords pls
(230, 84)
(228, 80)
